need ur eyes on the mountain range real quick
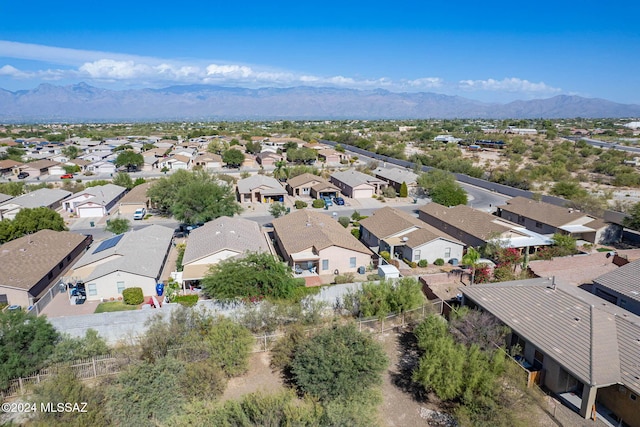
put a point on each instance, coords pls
(82, 102)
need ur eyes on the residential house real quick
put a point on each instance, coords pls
(545, 218)
(9, 167)
(57, 170)
(217, 240)
(37, 168)
(312, 186)
(208, 161)
(356, 184)
(579, 347)
(315, 242)
(42, 197)
(394, 177)
(135, 199)
(476, 228)
(260, 188)
(82, 164)
(94, 201)
(102, 167)
(576, 270)
(96, 156)
(149, 163)
(332, 157)
(406, 237)
(31, 265)
(268, 158)
(175, 162)
(621, 287)
(133, 259)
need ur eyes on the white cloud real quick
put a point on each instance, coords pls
(426, 82)
(512, 84)
(8, 70)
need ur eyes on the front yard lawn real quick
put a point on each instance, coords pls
(107, 307)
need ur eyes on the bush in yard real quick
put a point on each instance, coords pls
(344, 278)
(299, 204)
(133, 296)
(344, 221)
(337, 364)
(423, 263)
(355, 232)
(318, 203)
(186, 300)
(386, 255)
(439, 262)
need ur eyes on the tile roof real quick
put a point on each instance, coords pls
(353, 178)
(304, 229)
(545, 212)
(624, 280)
(575, 270)
(235, 234)
(595, 341)
(271, 185)
(25, 261)
(136, 195)
(396, 175)
(140, 252)
(40, 197)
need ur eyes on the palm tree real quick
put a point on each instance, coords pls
(471, 258)
(281, 171)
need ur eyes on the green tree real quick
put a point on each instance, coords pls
(404, 189)
(253, 147)
(338, 363)
(632, 221)
(131, 160)
(26, 342)
(29, 221)
(302, 155)
(569, 190)
(193, 197)
(277, 209)
(228, 345)
(256, 275)
(281, 171)
(71, 151)
(70, 348)
(471, 259)
(123, 179)
(71, 168)
(442, 188)
(344, 221)
(118, 225)
(564, 243)
(233, 158)
(217, 146)
(12, 188)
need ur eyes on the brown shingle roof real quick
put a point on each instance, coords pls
(304, 229)
(41, 164)
(137, 194)
(388, 221)
(7, 164)
(546, 213)
(472, 221)
(25, 261)
(304, 178)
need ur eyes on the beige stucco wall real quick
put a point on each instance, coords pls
(16, 296)
(107, 286)
(339, 260)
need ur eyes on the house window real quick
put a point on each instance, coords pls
(538, 224)
(325, 264)
(120, 287)
(521, 221)
(447, 252)
(61, 265)
(416, 255)
(538, 359)
(50, 275)
(623, 302)
(352, 262)
(92, 289)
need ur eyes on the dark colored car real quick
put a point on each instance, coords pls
(338, 201)
(67, 176)
(23, 175)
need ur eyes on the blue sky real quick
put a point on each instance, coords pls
(490, 51)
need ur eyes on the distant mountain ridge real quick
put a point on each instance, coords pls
(82, 102)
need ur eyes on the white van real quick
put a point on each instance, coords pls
(139, 213)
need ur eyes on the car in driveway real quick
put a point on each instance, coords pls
(66, 176)
(139, 213)
(23, 175)
(327, 201)
(338, 201)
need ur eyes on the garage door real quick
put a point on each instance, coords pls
(89, 212)
(362, 193)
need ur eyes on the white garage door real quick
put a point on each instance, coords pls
(362, 193)
(89, 212)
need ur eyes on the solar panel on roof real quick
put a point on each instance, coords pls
(109, 243)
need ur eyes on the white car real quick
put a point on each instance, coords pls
(139, 213)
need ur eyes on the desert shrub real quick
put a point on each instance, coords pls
(299, 204)
(345, 278)
(386, 255)
(318, 203)
(203, 380)
(186, 300)
(344, 221)
(133, 296)
(423, 263)
(355, 232)
(439, 262)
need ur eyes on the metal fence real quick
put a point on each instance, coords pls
(54, 290)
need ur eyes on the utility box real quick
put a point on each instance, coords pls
(388, 271)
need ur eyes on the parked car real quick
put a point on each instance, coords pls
(23, 175)
(338, 201)
(66, 176)
(139, 213)
(327, 201)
